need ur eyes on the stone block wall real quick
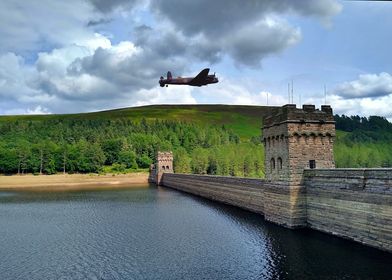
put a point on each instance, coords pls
(293, 137)
(310, 141)
(241, 192)
(352, 203)
(279, 202)
(285, 204)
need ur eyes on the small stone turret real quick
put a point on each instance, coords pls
(295, 139)
(164, 164)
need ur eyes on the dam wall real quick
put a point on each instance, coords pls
(241, 192)
(351, 203)
(302, 187)
(355, 204)
(279, 202)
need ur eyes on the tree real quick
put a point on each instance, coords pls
(182, 161)
(144, 161)
(199, 161)
(127, 158)
(23, 152)
(8, 159)
(112, 148)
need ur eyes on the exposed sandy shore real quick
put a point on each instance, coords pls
(71, 182)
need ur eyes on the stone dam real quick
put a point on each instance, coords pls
(302, 187)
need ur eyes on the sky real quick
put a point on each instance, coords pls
(89, 55)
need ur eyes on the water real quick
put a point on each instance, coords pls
(151, 233)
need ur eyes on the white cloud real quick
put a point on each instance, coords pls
(59, 81)
(364, 107)
(167, 95)
(27, 26)
(367, 86)
(29, 111)
(232, 92)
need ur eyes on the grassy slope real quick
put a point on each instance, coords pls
(243, 120)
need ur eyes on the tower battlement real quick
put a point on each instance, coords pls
(290, 113)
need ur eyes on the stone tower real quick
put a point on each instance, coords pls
(164, 164)
(295, 139)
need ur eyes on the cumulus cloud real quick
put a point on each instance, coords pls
(247, 31)
(272, 37)
(367, 85)
(106, 6)
(53, 58)
(29, 111)
(79, 78)
(26, 26)
(230, 91)
(365, 106)
(223, 16)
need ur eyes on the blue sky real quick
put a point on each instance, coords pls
(79, 56)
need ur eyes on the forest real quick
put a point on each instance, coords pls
(363, 142)
(72, 145)
(83, 146)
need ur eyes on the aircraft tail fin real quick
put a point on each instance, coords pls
(169, 75)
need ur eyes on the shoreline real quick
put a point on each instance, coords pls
(72, 182)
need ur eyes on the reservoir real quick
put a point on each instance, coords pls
(157, 233)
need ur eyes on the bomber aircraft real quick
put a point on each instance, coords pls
(201, 79)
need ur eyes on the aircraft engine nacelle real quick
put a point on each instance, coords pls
(161, 83)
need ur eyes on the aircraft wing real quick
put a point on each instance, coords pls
(200, 78)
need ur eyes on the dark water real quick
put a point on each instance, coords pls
(150, 233)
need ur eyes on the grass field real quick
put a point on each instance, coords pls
(245, 121)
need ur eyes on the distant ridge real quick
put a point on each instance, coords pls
(245, 120)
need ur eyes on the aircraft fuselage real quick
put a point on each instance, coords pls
(201, 79)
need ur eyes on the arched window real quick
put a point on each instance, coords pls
(272, 163)
(280, 163)
(163, 167)
(167, 167)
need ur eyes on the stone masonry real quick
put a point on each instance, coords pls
(164, 164)
(293, 138)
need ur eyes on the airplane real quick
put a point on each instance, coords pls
(201, 79)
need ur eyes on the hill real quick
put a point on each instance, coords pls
(245, 121)
(213, 139)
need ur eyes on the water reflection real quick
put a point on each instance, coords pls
(150, 233)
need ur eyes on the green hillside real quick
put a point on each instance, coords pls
(212, 139)
(245, 121)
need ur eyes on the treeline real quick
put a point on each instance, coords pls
(83, 146)
(242, 160)
(372, 123)
(364, 142)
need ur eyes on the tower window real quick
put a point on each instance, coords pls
(280, 164)
(312, 164)
(272, 163)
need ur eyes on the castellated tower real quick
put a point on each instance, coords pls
(295, 139)
(164, 165)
